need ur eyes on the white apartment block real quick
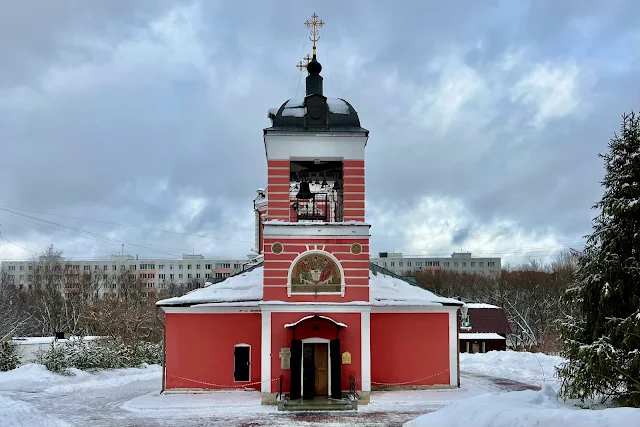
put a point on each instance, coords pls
(155, 273)
(461, 262)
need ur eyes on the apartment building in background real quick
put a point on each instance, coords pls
(461, 262)
(155, 273)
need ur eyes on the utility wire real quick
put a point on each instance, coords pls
(123, 225)
(94, 235)
(15, 244)
(39, 227)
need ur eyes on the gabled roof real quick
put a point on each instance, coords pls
(489, 318)
(245, 288)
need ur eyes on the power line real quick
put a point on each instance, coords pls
(15, 244)
(502, 252)
(205, 236)
(91, 234)
(38, 227)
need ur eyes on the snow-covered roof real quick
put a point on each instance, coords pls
(390, 291)
(480, 336)
(480, 305)
(247, 288)
(49, 340)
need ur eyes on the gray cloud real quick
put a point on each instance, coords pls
(150, 114)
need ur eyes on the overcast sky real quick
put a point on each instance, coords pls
(486, 118)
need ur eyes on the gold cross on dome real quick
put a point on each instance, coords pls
(302, 65)
(314, 24)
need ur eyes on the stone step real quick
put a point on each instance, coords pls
(318, 405)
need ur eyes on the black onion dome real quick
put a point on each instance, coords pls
(291, 115)
(314, 67)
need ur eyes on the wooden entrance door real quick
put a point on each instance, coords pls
(475, 348)
(321, 363)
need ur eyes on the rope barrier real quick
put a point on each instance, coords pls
(276, 379)
(224, 385)
(410, 382)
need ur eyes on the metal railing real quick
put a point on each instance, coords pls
(316, 208)
(352, 388)
(280, 395)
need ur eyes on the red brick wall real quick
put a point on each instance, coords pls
(278, 185)
(353, 189)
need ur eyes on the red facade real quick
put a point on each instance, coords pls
(399, 355)
(200, 349)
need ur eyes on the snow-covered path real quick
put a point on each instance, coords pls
(33, 396)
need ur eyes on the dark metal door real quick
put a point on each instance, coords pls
(336, 369)
(241, 360)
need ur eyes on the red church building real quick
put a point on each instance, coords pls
(313, 317)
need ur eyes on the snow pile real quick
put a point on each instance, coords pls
(524, 409)
(246, 287)
(480, 305)
(387, 290)
(480, 336)
(33, 376)
(337, 106)
(294, 112)
(49, 340)
(18, 414)
(30, 372)
(108, 379)
(294, 108)
(531, 368)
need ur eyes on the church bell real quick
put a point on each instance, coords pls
(304, 193)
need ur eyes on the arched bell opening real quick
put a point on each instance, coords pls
(315, 191)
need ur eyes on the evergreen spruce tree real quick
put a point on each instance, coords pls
(602, 341)
(8, 356)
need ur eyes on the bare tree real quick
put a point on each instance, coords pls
(128, 314)
(13, 318)
(530, 295)
(81, 291)
(44, 293)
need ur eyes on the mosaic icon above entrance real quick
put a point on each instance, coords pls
(316, 272)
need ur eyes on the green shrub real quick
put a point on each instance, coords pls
(55, 359)
(88, 355)
(8, 357)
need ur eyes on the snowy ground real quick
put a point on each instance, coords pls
(521, 408)
(33, 396)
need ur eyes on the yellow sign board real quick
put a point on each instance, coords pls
(346, 358)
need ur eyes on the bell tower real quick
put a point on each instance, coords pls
(313, 233)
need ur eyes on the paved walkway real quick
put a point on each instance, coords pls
(116, 406)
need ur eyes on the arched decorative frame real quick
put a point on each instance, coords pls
(311, 252)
